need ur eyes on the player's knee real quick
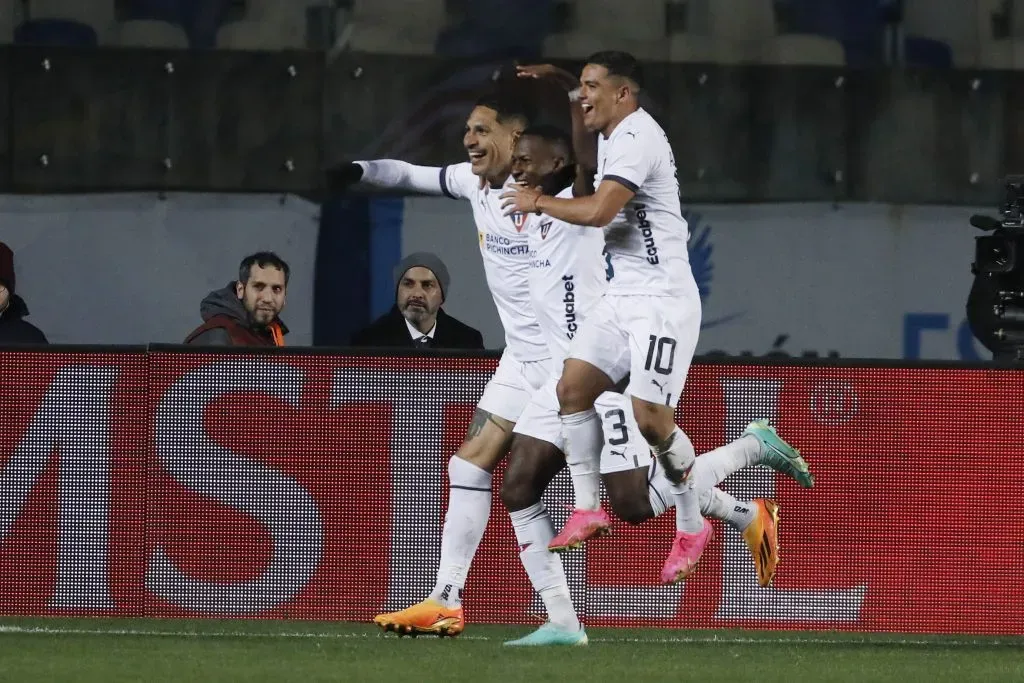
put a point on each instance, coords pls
(571, 397)
(518, 492)
(481, 455)
(631, 508)
(654, 422)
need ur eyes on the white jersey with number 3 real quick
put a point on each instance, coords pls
(505, 249)
(567, 277)
(647, 239)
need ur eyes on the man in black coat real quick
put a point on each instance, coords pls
(417, 320)
(13, 328)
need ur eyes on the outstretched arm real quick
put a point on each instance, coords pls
(389, 174)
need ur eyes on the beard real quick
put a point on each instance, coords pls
(262, 317)
(417, 312)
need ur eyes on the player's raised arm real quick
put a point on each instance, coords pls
(584, 141)
(389, 174)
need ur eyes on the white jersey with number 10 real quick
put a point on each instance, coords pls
(647, 239)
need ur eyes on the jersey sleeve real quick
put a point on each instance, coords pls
(628, 160)
(458, 181)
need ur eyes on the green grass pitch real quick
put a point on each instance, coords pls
(148, 650)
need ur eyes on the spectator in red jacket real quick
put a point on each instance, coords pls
(246, 312)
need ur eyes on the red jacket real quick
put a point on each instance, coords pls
(225, 316)
(240, 334)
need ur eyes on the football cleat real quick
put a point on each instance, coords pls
(778, 454)
(550, 634)
(762, 538)
(686, 553)
(581, 526)
(426, 618)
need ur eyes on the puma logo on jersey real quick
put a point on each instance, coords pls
(661, 387)
(569, 301)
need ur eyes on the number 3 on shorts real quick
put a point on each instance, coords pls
(661, 351)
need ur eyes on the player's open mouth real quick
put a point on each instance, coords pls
(587, 108)
(476, 156)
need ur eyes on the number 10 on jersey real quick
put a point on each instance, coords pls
(661, 352)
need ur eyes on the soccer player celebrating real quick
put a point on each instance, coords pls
(492, 128)
(567, 278)
(648, 320)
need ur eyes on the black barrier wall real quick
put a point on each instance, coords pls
(123, 119)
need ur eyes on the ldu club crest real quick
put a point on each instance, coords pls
(519, 220)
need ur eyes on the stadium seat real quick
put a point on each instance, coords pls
(743, 21)
(98, 14)
(146, 33)
(858, 25)
(746, 32)
(8, 20)
(407, 27)
(959, 25)
(637, 27)
(268, 25)
(58, 32)
(802, 50)
(701, 49)
(1000, 52)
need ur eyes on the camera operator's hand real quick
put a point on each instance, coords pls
(343, 176)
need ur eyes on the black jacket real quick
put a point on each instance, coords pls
(390, 330)
(14, 330)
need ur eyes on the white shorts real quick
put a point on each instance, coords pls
(623, 448)
(512, 385)
(650, 338)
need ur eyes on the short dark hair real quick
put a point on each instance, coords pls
(554, 135)
(558, 137)
(262, 259)
(620, 64)
(509, 106)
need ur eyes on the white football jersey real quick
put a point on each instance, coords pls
(568, 274)
(505, 249)
(647, 239)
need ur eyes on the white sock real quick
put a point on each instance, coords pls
(534, 531)
(584, 438)
(469, 507)
(677, 456)
(659, 489)
(717, 504)
(714, 466)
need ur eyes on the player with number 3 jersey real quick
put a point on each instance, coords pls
(646, 325)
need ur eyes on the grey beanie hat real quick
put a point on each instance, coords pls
(429, 261)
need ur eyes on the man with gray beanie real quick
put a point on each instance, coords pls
(417, 320)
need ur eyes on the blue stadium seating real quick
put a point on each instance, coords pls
(58, 32)
(498, 29)
(857, 24)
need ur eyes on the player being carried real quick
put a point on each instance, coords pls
(646, 325)
(567, 260)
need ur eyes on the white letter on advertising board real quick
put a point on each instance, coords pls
(742, 598)
(72, 421)
(276, 500)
